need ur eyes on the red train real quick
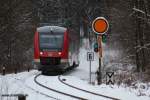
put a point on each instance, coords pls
(55, 48)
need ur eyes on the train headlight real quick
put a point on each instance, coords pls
(41, 53)
(59, 53)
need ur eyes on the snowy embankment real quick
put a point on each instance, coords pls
(24, 83)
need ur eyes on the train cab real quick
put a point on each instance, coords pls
(51, 48)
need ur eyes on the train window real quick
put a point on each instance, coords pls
(51, 42)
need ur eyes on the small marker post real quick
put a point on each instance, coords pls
(4, 70)
(90, 57)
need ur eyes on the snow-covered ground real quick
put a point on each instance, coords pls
(24, 83)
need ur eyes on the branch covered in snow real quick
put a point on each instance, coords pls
(141, 11)
(142, 47)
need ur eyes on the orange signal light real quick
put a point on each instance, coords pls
(100, 25)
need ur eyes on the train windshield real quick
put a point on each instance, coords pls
(51, 42)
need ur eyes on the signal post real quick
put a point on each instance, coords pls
(99, 78)
(100, 27)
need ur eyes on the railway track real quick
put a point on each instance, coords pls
(22, 82)
(43, 93)
(108, 97)
(57, 91)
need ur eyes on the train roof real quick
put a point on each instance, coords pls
(51, 28)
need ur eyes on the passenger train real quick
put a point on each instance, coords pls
(55, 48)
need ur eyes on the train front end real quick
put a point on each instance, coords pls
(51, 48)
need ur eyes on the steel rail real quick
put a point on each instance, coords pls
(86, 90)
(73, 96)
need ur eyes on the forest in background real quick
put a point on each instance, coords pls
(128, 33)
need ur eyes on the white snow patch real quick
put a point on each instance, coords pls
(23, 83)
